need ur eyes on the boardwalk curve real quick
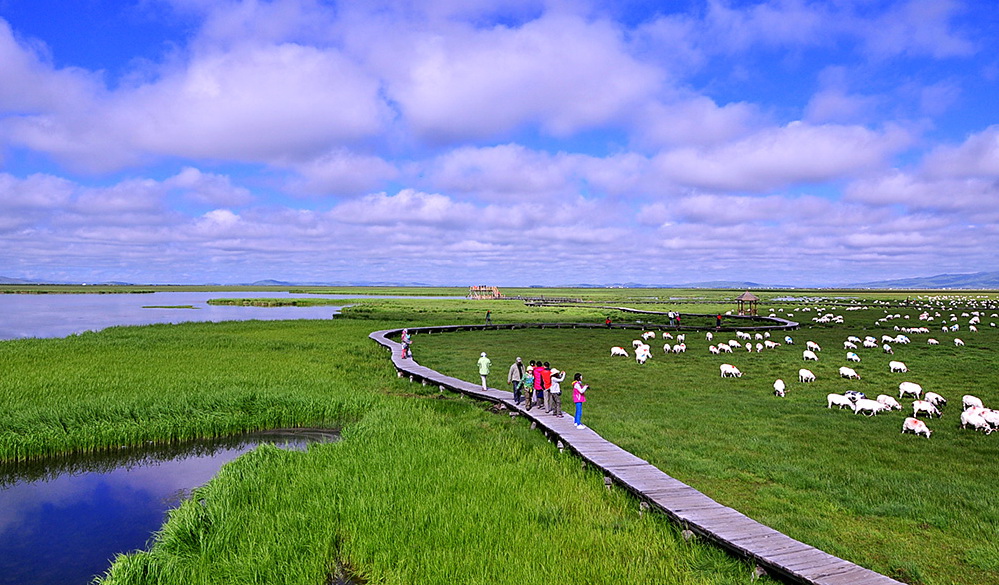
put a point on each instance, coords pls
(780, 555)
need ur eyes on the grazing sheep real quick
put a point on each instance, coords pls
(812, 346)
(730, 371)
(889, 402)
(779, 388)
(849, 373)
(708, 336)
(958, 342)
(991, 416)
(909, 388)
(734, 344)
(770, 344)
(968, 401)
(976, 421)
(919, 406)
(854, 395)
(667, 335)
(852, 357)
(805, 375)
(887, 349)
(870, 344)
(712, 349)
(667, 348)
(681, 337)
(680, 348)
(916, 426)
(871, 406)
(849, 345)
(853, 339)
(725, 347)
(932, 341)
(839, 400)
(619, 351)
(788, 340)
(642, 353)
(897, 367)
(649, 335)
(758, 337)
(636, 343)
(759, 347)
(809, 355)
(935, 399)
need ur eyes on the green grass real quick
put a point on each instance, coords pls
(921, 511)
(421, 489)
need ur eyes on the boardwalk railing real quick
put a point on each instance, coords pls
(780, 555)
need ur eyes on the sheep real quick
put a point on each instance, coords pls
(968, 401)
(854, 395)
(958, 342)
(759, 347)
(853, 339)
(636, 343)
(897, 367)
(648, 335)
(643, 353)
(812, 346)
(712, 349)
(976, 421)
(932, 341)
(749, 347)
(991, 416)
(734, 344)
(887, 349)
(725, 347)
(779, 388)
(849, 345)
(708, 336)
(919, 406)
(849, 373)
(680, 348)
(667, 348)
(730, 371)
(667, 335)
(935, 399)
(681, 338)
(809, 355)
(839, 400)
(742, 335)
(758, 337)
(889, 402)
(852, 357)
(909, 388)
(916, 426)
(788, 340)
(870, 344)
(805, 375)
(770, 344)
(618, 351)
(871, 406)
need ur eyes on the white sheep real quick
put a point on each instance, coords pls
(976, 421)
(681, 337)
(849, 345)
(812, 346)
(909, 388)
(770, 344)
(853, 339)
(838, 400)
(887, 349)
(642, 353)
(649, 335)
(680, 348)
(758, 337)
(667, 348)
(969, 401)
(809, 355)
(852, 357)
(759, 347)
(958, 342)
(805, 375)
(914, 425)
(788, 340)
(730, 371)
(725, 347)
(935, 399)
(870, 344)
(734, 344)
(932, 341)
(850, 373)
(897, 367)
(636, 343)
(868, 405)
(919, 406)
(667, 335)
(708, 336)
(712, 349)
(889, 402)
(779, 388)
(618, 351)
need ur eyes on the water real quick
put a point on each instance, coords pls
(63, 520)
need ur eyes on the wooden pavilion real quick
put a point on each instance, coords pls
(747, 303)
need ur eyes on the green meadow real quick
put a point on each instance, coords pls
(426, 487)
(422, 488)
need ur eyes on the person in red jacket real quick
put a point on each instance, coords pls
(546, 386)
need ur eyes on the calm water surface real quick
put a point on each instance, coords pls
(63, 520)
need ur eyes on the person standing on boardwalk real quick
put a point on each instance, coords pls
(546, 386)
(607, 322)
(528, 386)
(516, 377)
(489, 317)
(718, 321)
(484, 364)
(556, 391)
(579, 397)
(406, 342)
(539, 384)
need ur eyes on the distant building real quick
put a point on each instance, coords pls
(480, 292)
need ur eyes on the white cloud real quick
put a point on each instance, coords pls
(977, 157)
(208, 188)
(341, 172)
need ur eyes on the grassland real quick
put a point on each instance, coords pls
(922, 511)
(422, 488)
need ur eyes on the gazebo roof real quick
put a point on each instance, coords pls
(747, 296)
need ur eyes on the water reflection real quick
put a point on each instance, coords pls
(63, 520)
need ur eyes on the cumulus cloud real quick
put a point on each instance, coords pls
(341, 172)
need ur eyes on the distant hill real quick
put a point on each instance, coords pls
(8, 280)
(975, 281)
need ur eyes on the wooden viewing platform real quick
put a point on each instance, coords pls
(780, 555)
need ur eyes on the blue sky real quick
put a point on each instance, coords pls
(516, 142)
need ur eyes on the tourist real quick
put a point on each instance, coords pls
(607, 322)
(556, 391)
(539, 384)
(579, 397)
(546, 386)
(515, 377)
(528, 386)
(484, 364)
(489, 317)
(718, 321)
(406, 342)
(678, 320)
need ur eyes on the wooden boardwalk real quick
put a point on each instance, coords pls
(780, 555)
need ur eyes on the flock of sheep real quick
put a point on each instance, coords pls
(974, 414)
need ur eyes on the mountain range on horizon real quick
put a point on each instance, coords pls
(973, 281)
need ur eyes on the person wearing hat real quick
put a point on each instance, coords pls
(556, 391)
(484, 364)
(516, 378)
